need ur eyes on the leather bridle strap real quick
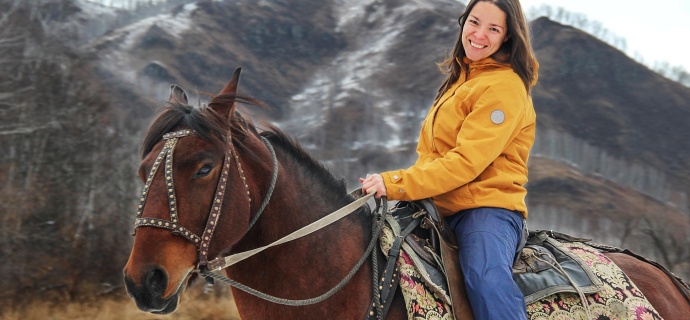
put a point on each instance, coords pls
(173, 224)
(218, 201)
(369, 251)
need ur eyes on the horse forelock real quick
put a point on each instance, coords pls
(203, 119)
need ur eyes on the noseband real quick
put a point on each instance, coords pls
(202, 242)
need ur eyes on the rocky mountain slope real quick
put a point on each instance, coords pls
(372, 63)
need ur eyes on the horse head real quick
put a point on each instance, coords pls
(207, 179)
(192, 173)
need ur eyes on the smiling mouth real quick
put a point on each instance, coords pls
(478, 46)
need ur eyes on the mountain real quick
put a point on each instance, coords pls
(617, 127)
(595, 93)
(353, 79)
(373, 64)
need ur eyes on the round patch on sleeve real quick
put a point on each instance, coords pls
(497, 117)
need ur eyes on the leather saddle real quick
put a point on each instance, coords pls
(434, 237)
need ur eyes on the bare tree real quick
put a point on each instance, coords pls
(597, 29)
(672, 246)
(66, 178)
(592, 160)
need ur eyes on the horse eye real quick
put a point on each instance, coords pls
(205, 170)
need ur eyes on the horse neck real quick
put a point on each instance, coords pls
(324, 257)
(299, 198)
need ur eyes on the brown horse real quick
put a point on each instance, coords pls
(222, 175)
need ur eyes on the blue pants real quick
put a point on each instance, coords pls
(487, 240)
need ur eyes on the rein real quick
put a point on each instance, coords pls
(304, 231)
(323, 222)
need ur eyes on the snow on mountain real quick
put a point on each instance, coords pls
(378, 27)
(93, 9)
(355, 78)
(125, 40)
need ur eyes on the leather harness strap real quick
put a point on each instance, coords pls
(172, 224)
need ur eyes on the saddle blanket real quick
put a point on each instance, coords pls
(617, 298)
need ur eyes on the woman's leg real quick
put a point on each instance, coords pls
(487, 240)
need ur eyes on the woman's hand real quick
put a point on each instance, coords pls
(373, 183)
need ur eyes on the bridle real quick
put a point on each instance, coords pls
(202, 242)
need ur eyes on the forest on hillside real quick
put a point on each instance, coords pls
(597, 29)
(63, 194)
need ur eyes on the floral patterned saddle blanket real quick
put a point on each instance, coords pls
(561, 277)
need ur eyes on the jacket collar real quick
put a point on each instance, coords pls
(475, 66)
(484, 64)
(490, 63)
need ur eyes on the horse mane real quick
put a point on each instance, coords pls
(316, 169)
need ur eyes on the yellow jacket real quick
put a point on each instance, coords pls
(473, 145)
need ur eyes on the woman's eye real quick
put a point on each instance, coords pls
(204, 171)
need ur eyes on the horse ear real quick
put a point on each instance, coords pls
(177, 95)
(231, 87)
(224, 102)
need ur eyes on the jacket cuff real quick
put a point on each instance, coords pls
(394, 185)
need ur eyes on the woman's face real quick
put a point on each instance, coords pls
(484, 31)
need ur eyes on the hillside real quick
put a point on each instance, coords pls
(373, 64)
(352, 80)
(595, 93)
(199, 44)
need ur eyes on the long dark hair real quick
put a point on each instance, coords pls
(517, 47)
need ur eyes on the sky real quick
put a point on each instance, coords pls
(658, 30)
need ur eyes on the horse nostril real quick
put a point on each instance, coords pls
(155, 282)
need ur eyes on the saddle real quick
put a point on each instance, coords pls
(434, 251)
(542, 266)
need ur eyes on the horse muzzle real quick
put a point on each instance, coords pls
(148, 294)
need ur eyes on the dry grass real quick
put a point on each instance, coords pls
(195, 305)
